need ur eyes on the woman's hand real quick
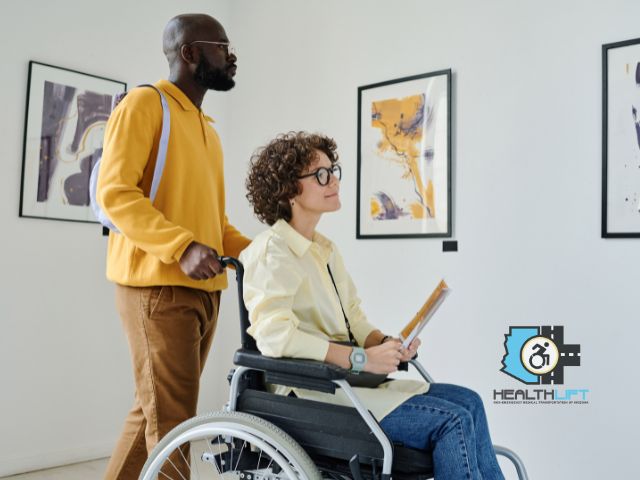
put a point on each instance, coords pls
(384, 358)
(409, 353)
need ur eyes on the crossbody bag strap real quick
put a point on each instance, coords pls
(346, 320)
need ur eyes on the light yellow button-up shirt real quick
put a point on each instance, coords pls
(295, 311)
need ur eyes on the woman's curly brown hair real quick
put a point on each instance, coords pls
(274, 170)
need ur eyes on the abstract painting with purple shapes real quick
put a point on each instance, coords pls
(67, 113)
(91, 109)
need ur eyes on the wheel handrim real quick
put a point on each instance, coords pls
(211, 432)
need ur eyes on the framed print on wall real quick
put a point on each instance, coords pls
(65, 119)
(404, 157)
(621, 139)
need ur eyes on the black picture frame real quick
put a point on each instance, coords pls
(424, 173)
(620, 141)
(65, 115)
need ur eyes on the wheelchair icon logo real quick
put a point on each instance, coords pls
(538, 355)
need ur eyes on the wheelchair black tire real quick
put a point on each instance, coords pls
(248, 424)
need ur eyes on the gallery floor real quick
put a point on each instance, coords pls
(93, 470)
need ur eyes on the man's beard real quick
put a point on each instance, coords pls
(213, 78)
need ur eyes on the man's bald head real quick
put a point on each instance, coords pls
(184, 29)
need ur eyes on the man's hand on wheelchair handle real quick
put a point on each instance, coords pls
(200, 262)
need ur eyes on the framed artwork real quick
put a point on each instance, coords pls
(621, 139)
(66, 114)
(404, 157)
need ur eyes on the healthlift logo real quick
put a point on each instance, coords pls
(538, 356)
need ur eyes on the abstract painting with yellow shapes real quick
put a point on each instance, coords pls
(404, 157)
(67, 112)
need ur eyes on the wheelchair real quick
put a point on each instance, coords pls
(264, 436)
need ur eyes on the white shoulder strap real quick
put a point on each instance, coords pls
(162, 146)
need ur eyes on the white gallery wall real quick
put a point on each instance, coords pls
(527, 193)
(526, 208)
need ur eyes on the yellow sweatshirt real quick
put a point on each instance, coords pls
(190, 202)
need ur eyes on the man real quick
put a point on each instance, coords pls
(165, 260)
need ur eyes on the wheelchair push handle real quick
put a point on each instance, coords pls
(226, 261)
(247, 340)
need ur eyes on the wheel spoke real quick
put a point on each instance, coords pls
(259, 458)
(186, 462)
(220, 453)
(176, 468)
(240, 455)
(270, 462)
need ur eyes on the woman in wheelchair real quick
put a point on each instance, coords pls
(303, 304)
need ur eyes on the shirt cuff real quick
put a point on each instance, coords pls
(181, 249)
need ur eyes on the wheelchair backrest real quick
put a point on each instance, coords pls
(247, 340)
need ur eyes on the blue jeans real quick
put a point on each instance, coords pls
(450, 422)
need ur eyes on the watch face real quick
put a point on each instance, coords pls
(359, 357)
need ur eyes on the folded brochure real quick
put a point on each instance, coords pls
(415, 326)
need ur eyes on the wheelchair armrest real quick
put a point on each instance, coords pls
(296, 366)
(292, 372)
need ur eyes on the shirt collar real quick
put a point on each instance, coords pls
(180, 97)
(297, 242)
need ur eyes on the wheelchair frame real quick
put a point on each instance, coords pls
(245, 381)
(274, 366)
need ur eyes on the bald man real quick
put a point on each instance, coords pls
(164, 261)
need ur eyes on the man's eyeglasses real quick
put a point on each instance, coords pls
(323, 174)
(226, 46)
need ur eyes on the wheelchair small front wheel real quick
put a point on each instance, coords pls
(228, 445)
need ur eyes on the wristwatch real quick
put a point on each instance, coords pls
(358, 359)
